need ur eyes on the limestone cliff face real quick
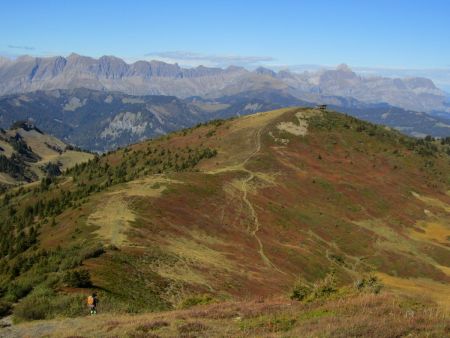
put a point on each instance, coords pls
(110, 73)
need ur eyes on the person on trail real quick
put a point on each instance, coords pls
(92, 302)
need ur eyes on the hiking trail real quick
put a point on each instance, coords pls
(245, 188)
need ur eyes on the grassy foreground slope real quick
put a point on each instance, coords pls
(232, 209)
(359, 316)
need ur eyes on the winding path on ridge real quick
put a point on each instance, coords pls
(245, 187)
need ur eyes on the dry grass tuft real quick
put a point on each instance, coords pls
(192, 329)
(155, 325)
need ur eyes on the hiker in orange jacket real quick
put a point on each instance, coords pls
(92, 302)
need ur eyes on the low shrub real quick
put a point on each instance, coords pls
(277, 323)
(322, 288)
(186, 330)
(17, 291)
(325, 287)
(92, 252)
(112, 247)
(32, 308)
(68, 306)
(316, 313)
(300, 291)
(281, 324)
(5, 308)
(155, 325)
(43, 303)
(196, 300)
(370, 284)
(70, 263)
(78, 278)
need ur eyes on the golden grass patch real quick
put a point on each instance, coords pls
(151, 186)
(69, 158)
(199, 253)
(5, 178)
(422, 287)
(39, 143)
(434, 231)
(292, 128)
(257, 120)
(379, 227)
(191, 254)
(398, 242)
(114, 217)
(301, 128)
(431, 201)
(444, 269)
(7, 149)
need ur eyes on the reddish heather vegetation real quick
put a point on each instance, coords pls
(247, 208)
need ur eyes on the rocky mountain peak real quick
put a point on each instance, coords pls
(25, 58)
(265, 71)
(4, 60)
(235, 69)
(343, 68)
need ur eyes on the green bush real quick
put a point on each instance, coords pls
(70, 262)
(32, 308)
(92, 252)
(281, 324)
(196, 300)
(51, 281)
(17, 291)
(68, 306)
(78, 278)
(43, 303)
(300, 291)
(370, 284)
(325, 287)
(5, 308)
(322, 288)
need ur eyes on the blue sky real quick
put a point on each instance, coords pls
(397, 36)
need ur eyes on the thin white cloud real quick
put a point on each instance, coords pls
(192, 59)
(21, 47)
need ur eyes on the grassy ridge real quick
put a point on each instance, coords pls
(231, 209)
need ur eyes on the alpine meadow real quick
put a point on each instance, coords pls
(191, 188)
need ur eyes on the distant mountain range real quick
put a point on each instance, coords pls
(101, 121)
(110, 73)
